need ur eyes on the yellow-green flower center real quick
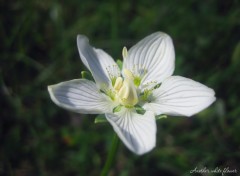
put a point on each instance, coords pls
(126, 92)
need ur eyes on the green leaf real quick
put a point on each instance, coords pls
(100, 119)
(157, 86)
(162, 116)
(87, 75)
(140, 110)
(119, 63)
(117, 108)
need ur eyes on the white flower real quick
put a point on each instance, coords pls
(146, 81)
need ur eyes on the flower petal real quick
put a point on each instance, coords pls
(138, 132)
(101, 65)
(153, 56)
(180, 96)
(80, 96)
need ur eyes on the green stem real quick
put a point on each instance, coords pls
(111, 155)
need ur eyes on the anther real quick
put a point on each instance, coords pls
(118, 83)
(124, 52)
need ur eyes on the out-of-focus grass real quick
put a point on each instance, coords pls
(38, 48)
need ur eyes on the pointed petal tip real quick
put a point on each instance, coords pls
(81, 38)
(162, 35)
(207, 104)
(50, 87)
(142, 152)
(52, 96)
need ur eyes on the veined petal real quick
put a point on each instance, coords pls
(180, 96)
(101, 65)
(80, 96)
(138, 132)
(153, 56)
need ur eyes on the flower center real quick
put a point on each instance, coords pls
(126, 91)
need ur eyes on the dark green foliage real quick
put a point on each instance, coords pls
(38, 48)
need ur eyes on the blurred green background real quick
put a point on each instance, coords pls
(38, 48)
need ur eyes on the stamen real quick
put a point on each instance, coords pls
(137, 74)
(124, 52)
(111, 94)
(145, 95)
(113, 74)
(118, 83)
(128, 74)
